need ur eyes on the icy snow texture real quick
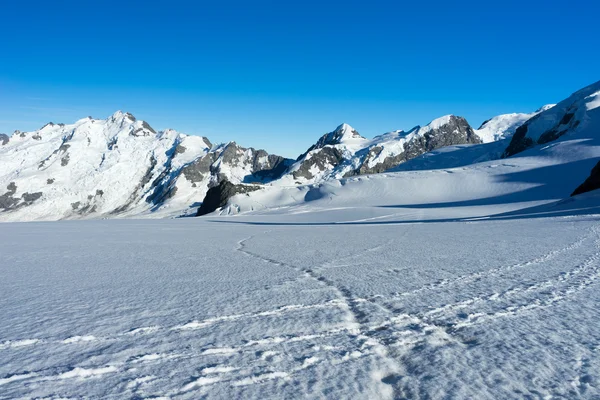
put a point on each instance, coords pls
(275, 308)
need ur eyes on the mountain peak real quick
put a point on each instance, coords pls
(544, 108)
(341, 134)
(345, 131)
(118, 115)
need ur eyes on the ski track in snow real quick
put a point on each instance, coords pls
(375, 327)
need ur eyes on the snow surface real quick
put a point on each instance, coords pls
(263, 308)
(453, 276)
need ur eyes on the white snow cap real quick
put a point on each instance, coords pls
(345, 131)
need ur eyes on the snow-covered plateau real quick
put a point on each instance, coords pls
(463, 269)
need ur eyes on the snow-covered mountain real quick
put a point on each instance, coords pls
(344, 152)
(121, 167)
(117, 167)
(478, 174)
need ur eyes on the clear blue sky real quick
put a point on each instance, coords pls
(278, 74)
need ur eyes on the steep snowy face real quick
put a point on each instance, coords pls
(504, 126)
(117, 167)
(344, 152)
(91, 166)
(578, 115)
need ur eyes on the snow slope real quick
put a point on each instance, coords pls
(504, 126)
(274, 309)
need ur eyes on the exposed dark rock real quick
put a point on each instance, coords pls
(217, 196)
(7, 200)
(566, 118)
(180, 149)
(36, 137)
(112, 143)
(4, 139)
(483, 123)
(50, 181)
(456, 131)
(99, 192)
(388, 162)
(273, 169)
(29, 198)
(147, 126)
(196, 171)
(551, 135)
(591, 183)
(321, 159)
(264, 167)
(65, 160)
(331, 138)
(75, 205)
(521, 142)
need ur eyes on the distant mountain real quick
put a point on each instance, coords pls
(118, 167)
(344, 152)
(122, 167)
(551, 152)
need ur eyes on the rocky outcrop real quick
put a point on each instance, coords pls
(390, 152)
(217, 196)
(8, 200)
(591, 183)
(3, 139)
(565, 118)
(342, 133)
(455, 130)
(522, 140)
(377, 167)
(323, 159)
(236, 163)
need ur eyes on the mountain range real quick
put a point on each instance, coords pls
(122, 167)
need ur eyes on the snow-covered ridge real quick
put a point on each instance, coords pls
(115, 167)
(122, 167)
(343, 152)
(504, 126)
